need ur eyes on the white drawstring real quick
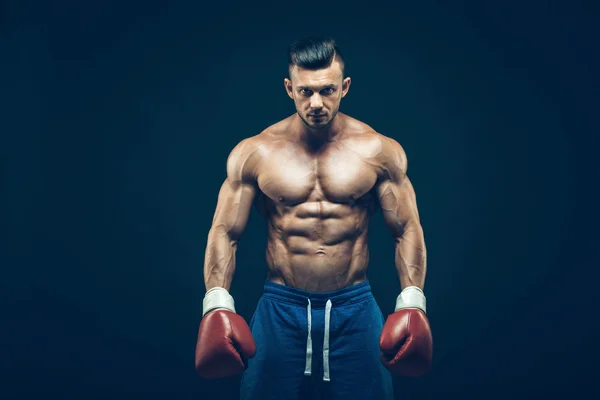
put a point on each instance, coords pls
(326, 342)
(307, 369)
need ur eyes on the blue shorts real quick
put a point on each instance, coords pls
(316, 346)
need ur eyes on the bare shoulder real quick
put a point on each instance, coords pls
(382, 151)
(392, 156)
(244, 159)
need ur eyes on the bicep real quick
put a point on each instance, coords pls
(397, 200)
(233, 207)
(237, 192)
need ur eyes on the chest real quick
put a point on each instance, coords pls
(336, 175)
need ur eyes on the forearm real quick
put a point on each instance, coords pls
(219, 262)
(411, 256)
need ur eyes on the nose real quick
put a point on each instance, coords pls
(316, 101)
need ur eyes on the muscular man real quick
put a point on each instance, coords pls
(317, 177)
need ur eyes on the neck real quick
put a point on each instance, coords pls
(315, 138)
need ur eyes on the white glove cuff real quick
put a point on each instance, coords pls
(217, 297)
(411, 297)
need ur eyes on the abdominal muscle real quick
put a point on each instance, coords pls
(318, 251)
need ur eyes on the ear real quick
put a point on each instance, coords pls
(346, 86)
(288, 87)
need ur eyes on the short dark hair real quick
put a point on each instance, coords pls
(314, 53)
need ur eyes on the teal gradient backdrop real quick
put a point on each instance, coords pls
(117, 119)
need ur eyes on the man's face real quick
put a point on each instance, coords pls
(317, 94)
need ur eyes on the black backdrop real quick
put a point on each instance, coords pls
(117, 118)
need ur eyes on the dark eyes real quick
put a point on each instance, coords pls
(324, 91)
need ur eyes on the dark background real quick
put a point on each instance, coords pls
(116, 121)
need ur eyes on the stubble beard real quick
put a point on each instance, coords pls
(317, 127)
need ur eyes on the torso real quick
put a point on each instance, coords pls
(318, 203)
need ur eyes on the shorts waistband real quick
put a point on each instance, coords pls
(287, 294)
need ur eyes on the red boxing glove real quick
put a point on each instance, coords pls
(225, 342)
(405, 342)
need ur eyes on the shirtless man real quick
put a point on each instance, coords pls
(317, 177)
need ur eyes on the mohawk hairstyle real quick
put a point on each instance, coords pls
(314, 53)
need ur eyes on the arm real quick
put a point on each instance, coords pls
(225, 341)
(405, 340)
(234, 203)
(399, 207)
